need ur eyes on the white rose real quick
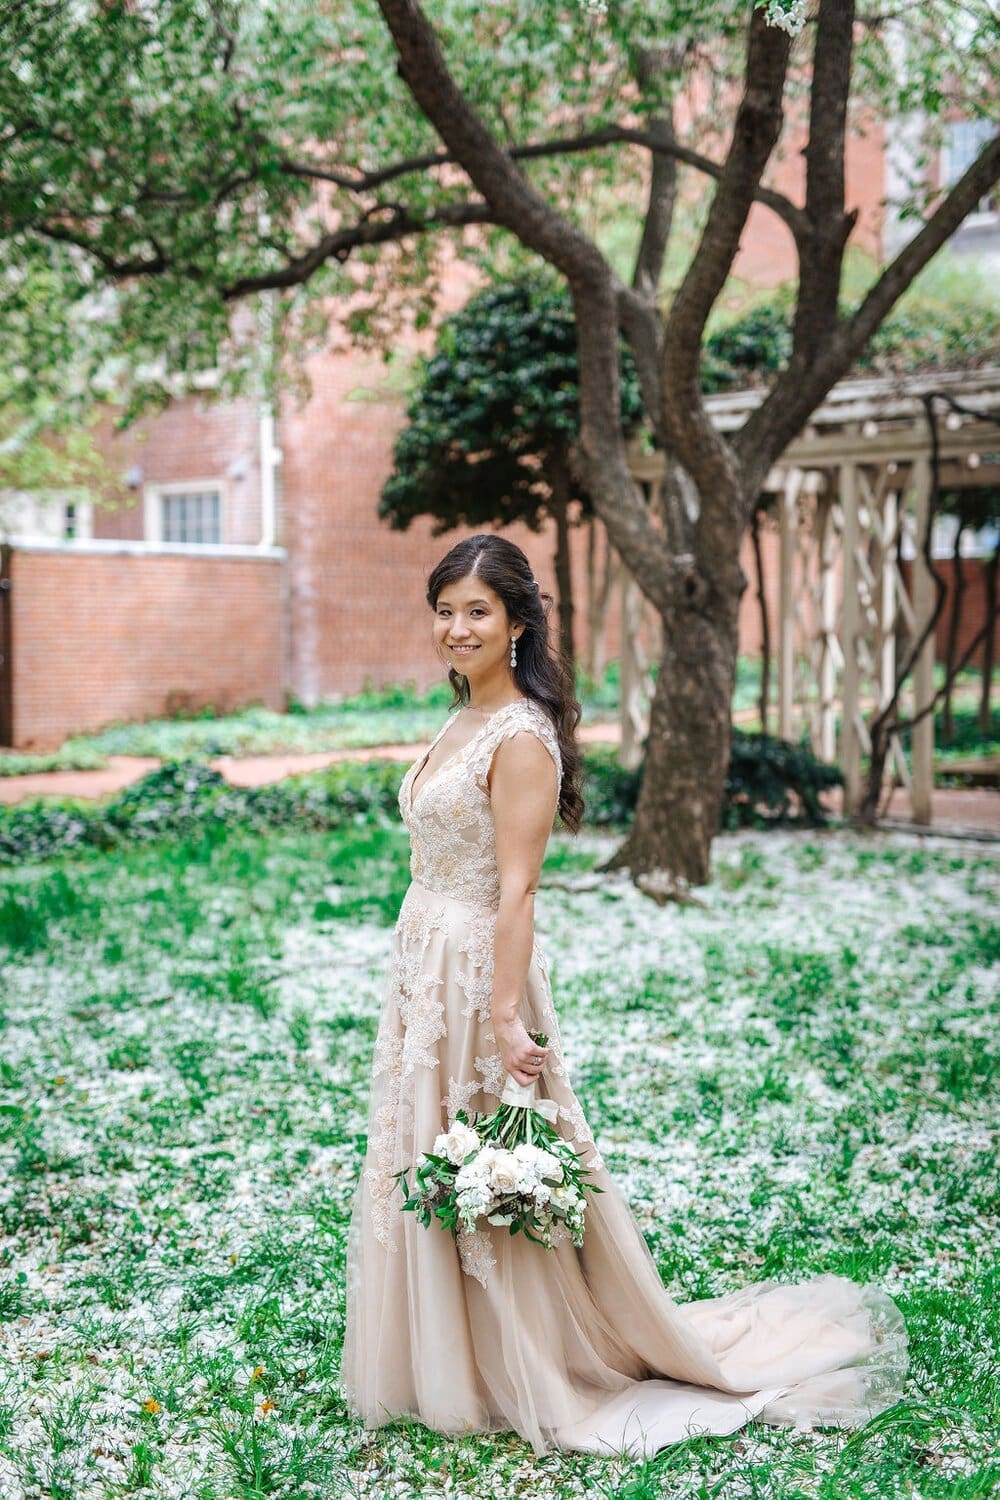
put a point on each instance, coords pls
(503, 1177)
(550, 1166)
(459, 1142)
(464, 1141)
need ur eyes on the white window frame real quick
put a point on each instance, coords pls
(152, 502)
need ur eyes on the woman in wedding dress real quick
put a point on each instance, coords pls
(572, 1348)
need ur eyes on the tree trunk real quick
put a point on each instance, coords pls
(600, 581)
(954, 623)
(868, 811)
(765, 623)
(687, 750)
(559, 507)
(985, 716)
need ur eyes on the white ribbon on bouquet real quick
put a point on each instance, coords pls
(522, 1096)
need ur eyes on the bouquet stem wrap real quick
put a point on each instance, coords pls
(522, 1096)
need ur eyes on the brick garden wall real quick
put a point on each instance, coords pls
(105, 635)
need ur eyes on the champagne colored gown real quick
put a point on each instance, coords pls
(576, 1349)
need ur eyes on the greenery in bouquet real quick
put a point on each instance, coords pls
(511, 1168)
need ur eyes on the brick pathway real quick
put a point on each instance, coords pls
(975, 810)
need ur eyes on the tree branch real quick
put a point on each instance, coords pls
(651, 64)
(797, 392)
(116, 270)
(336, 245)
(369, 231)
(821, 255)
(640, 322)
(593, 140)
(541, 228)
(758, 125)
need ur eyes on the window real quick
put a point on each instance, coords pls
(191, 516)
(964, 140)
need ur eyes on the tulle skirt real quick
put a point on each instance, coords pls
(571, 1348)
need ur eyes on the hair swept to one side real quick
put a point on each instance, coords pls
(542, 672)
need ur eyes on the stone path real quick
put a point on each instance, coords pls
(970, 811)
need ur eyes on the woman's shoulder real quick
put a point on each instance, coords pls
(528, 713)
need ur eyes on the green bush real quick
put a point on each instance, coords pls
(922, 334)
(185, 799)
(773, 781)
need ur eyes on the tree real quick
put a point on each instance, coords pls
(157, 149)
(47, 445)
(490, 428)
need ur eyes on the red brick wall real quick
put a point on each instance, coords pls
(101, 637)
(767, 255)
(357, 608)
(974, 605)
(191, 440)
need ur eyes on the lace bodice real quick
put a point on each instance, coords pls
(452, 837)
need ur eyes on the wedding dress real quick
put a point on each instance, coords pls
(571, 1348)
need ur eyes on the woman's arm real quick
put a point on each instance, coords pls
(524, 795)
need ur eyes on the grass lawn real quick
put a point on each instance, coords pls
(798, 1078)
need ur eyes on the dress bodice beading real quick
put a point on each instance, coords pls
(452, 835)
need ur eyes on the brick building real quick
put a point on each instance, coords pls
(248, 563)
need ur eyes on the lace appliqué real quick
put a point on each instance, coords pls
(392, 1116)
(477, 980)
(494, 1074)
(476, 1255)
(420, 1011)
(452, 835)
(411, 1024)
(459, 1096)
(574, 1116)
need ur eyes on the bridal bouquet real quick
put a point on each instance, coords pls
(511, 1168)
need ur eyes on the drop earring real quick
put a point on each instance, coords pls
(513, 650)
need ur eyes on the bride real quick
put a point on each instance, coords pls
(572, 1348)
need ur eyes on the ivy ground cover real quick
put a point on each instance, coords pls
(797, 1077)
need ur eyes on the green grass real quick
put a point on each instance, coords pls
(799, 1078)
(391, 715)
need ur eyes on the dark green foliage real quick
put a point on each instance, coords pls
(758, 345)
(495, 413)
(770, 781)
(766, 774)
(610, 791)
(185, 798)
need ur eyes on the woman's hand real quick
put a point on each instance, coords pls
(519, 1053)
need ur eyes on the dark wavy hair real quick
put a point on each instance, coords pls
(542, 672)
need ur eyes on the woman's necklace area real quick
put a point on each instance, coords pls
(487, 713)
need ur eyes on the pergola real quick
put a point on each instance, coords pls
(854, 492)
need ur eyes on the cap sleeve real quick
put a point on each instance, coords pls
(524, 716)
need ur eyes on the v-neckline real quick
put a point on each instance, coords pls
(422, 764)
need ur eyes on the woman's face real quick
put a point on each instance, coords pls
(471, 629)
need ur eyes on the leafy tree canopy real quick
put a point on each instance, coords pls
(165, 162)
(496, 409)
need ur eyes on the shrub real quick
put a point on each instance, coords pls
(773, 781)
(768, 781)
